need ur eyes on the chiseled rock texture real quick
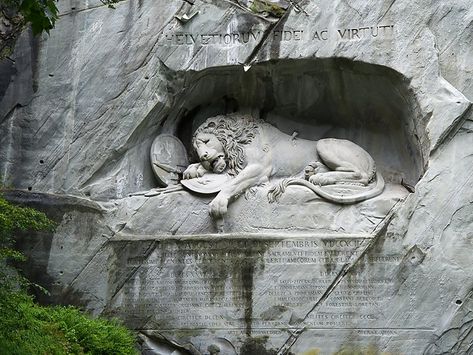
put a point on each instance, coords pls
(79, 110)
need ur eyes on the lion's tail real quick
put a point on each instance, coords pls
(276, 191)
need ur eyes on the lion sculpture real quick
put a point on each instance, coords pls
(253, 151)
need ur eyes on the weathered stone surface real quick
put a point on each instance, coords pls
(80, 109)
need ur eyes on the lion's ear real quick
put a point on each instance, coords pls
(211, 125)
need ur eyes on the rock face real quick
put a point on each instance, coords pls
(80, 109)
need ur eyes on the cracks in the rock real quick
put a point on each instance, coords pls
(99, 250)
(10, 116)
(294, 335)
(379, 230)
(387, 219)
(91, 129)
(450, 202)
(236, 4)
(466, 130)
(347, 3)
(122, 227)
(434, 177)
(456, 124)
(468, 155)
(44, 121)
(147, 57)
(225, 17)
(102, 247)
(452, 41)
(145, 254)
(444, 15)
(169, 54)
(117, 151)
(142, 64)
(453, 216)
(442, 209)
(158, 37)
(412, 258)
(174, 229)
(450, 220)
(457, 338)
(138, 209)
(416, 128)
(61, 155)
(264, 37)
(86, 9)
(450, 132)
(194, 55)
(466, 334)
(103, 167)
(120, 92)
(386, 12)
(10, 113)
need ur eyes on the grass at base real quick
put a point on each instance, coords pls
(27, 328)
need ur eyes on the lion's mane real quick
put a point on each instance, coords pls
(233, 131)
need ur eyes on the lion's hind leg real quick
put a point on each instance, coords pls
(319, 174)
(356, 174)
(334, 177)
(346, 161)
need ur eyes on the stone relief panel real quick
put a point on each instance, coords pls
(253, 152)
(238, 154)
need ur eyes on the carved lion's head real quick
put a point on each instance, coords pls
(233, 132)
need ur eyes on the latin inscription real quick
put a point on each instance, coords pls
(356, 33)
(292, 35)
(202, 284)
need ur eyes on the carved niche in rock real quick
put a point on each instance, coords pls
(237, 152)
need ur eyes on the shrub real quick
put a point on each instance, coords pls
(27, 328)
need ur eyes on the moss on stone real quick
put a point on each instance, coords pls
(263, 6)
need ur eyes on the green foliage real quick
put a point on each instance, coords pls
(20, 330)
(265, 6)
(96, 336)
(42, 14)
(14, 219)
(20, 219)
(27, 328)
(109, 3)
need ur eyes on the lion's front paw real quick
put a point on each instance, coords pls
(321, 180)
(194, 171)
(218, 207)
